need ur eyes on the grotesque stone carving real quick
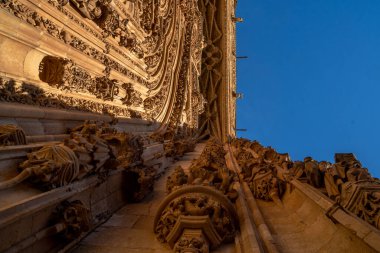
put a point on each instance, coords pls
(198, 215)
(346, 181)
(51, 166)
(211, 169)
(12, 135)
(191, 241)
(176, 179)
(91, 9)
(75, 218)
(92, 148)
(132, 97)
(140, 182)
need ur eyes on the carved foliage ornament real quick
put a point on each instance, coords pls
(195, 218)
(32, 94)
(66, 75)
(345, 181)
(37, 20)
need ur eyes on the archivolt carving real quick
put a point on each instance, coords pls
(345, 181)
(172, 65)
(35, 19)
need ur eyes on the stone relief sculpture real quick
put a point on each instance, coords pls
(345, 181)
(53, 165)
(92, 148)
(198, 214)
(64, 74)
(195, 219)
(12, 135)
(209, 169)
(91, 9)
(31, 94)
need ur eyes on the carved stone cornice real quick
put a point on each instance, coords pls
(345, 181)
(32, 94)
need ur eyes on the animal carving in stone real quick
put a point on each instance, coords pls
(176, 179)
(92, 148)
(12, 135)
(52, 166)
(91, 9)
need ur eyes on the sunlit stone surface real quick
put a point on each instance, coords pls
(117, 134)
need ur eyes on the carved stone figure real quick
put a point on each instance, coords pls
(176, 179)
(210, 169)
(91, 9)
(51, 166)
(190, 243)
(12, 135)
(345, 181)
(75, 217)
(313, 173)
(52, 70)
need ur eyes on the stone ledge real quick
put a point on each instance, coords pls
(360, 228)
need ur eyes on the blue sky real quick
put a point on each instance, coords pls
(312, 81)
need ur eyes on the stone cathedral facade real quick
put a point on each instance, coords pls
(117, 134)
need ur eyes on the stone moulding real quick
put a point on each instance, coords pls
(40, 22)
(72, 219)
(31, 94)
